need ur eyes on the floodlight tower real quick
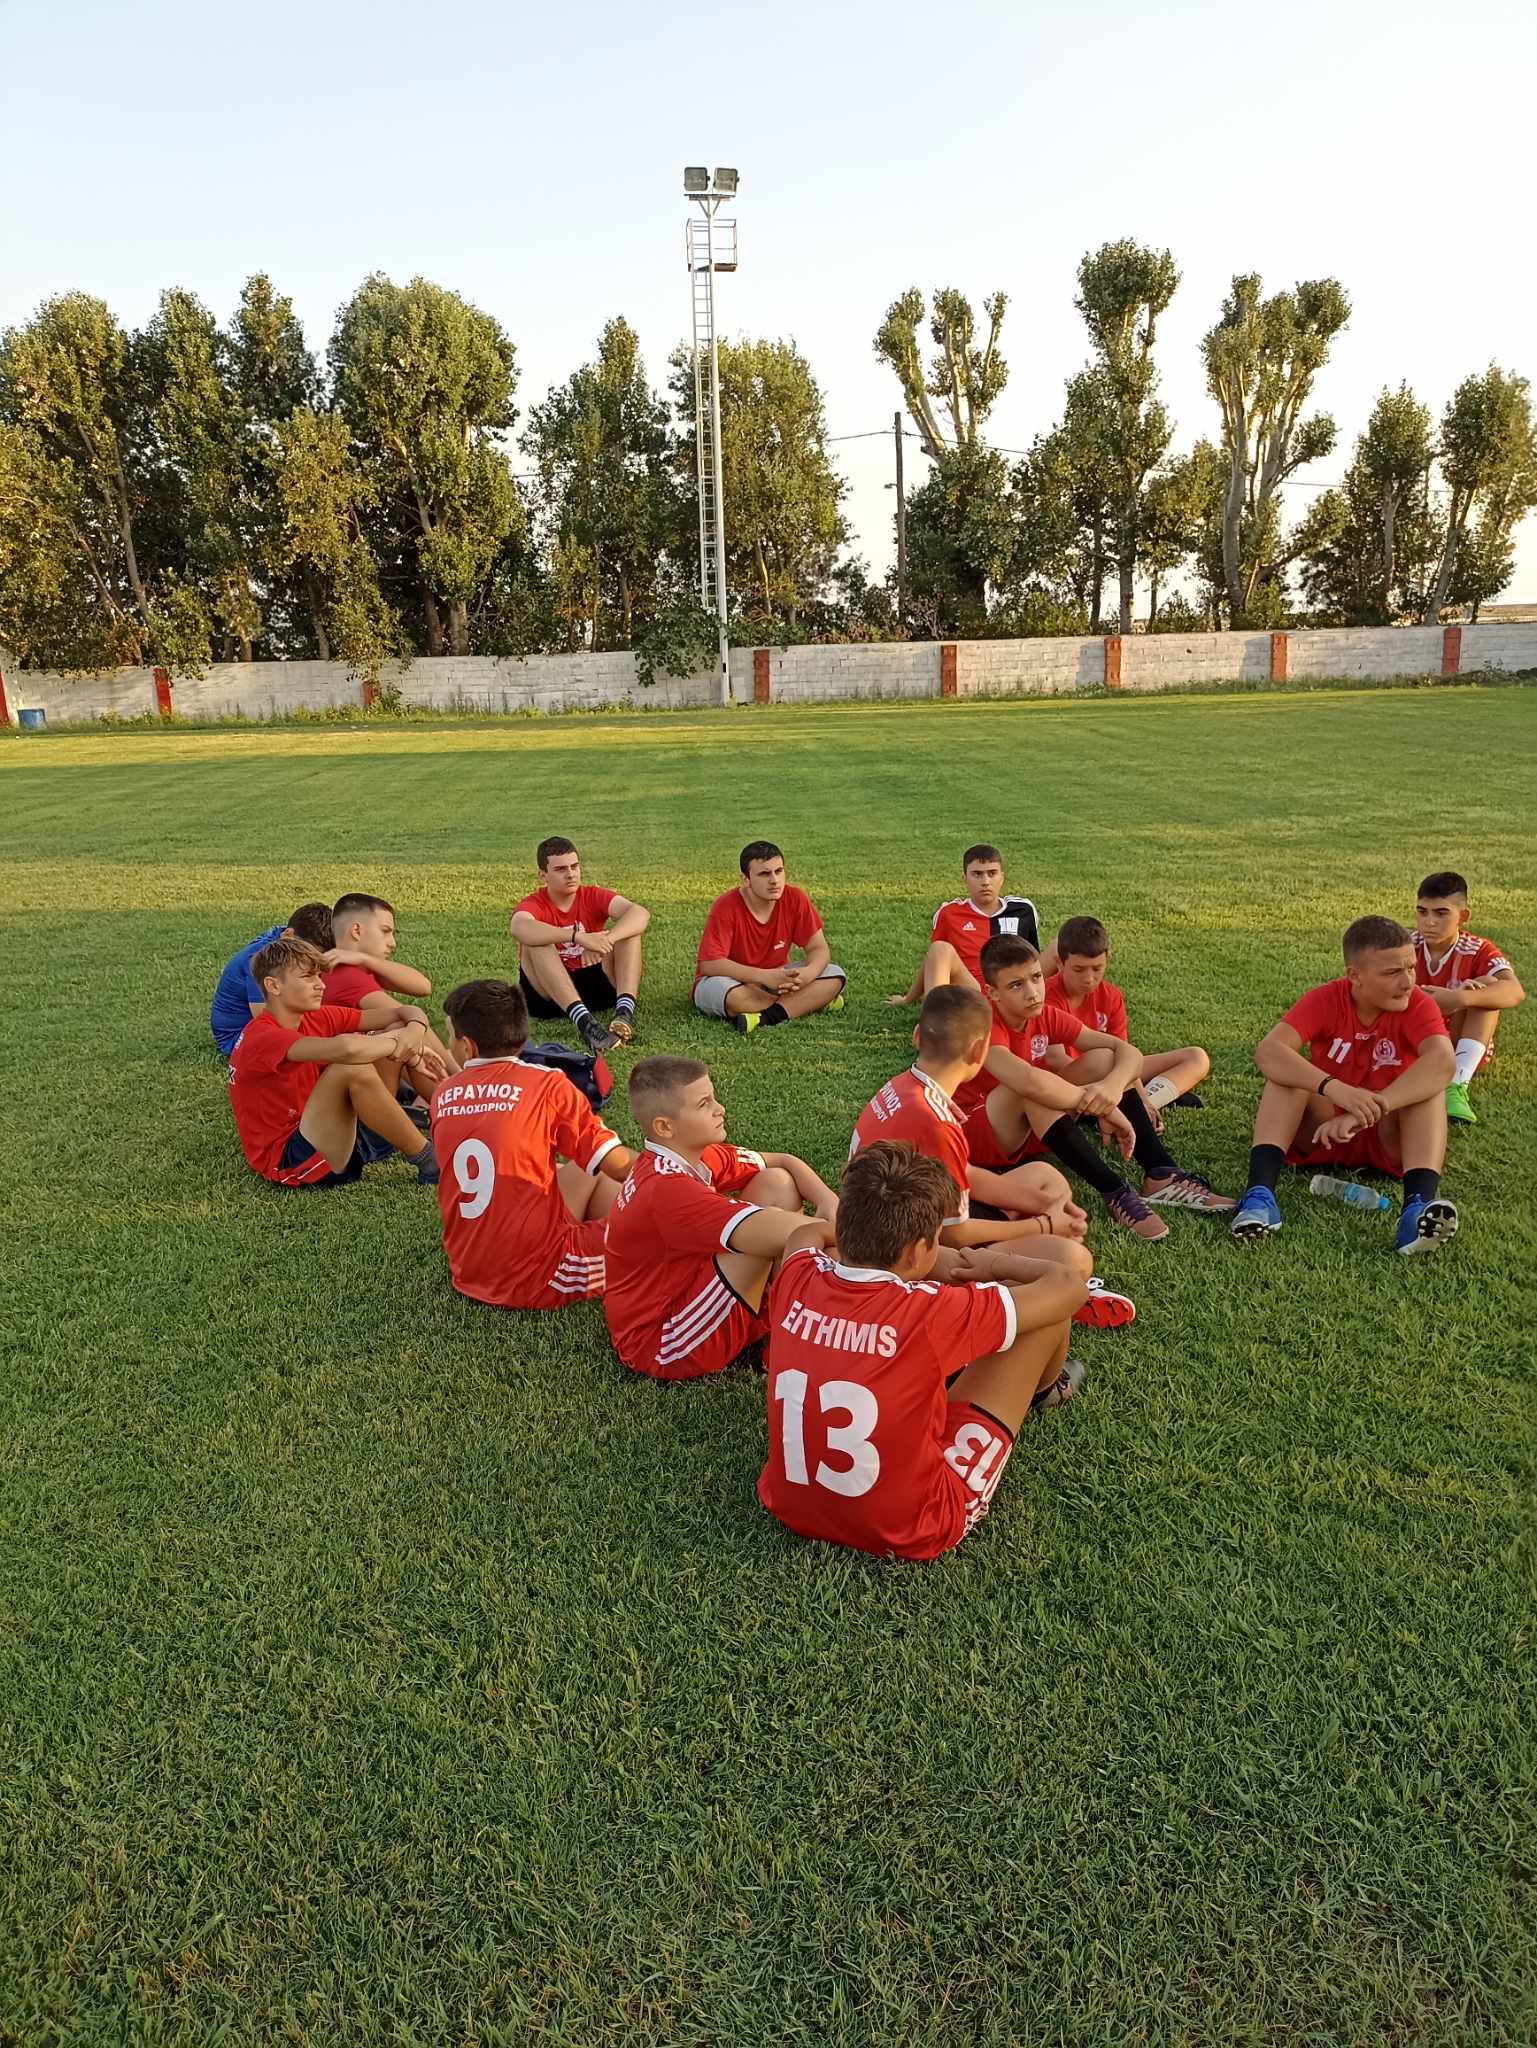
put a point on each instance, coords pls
(710, 246)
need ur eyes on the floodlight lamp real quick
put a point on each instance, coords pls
(725, 181)
(696, 178)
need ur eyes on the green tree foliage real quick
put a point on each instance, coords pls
(425, 383)
(1262, 359)
(1367, 547)
(783, 524)
(78, 586)
(1488, 462)
(321, 497)
(1123, 289)
(610, 505)
(949, 400)
(962, 539)
(1181, 506)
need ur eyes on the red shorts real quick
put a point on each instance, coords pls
(983, 1148)
(1366, 1148)
(975, 1451)
(576, 1273)
(704, 1334)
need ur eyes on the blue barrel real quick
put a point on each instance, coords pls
(32, 721)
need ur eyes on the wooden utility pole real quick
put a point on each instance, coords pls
(901, 528)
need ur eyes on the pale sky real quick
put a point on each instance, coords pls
(530, 158)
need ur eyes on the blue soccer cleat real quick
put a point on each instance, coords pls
(1256, 1216)
(1426, 1226)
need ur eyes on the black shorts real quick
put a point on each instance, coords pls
(591, 984)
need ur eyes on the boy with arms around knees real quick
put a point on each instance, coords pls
(313, 1092)
(1467, 978)
(1079, 987)
(698, 1228)
(963, 927)
(743, 970)
(1370, 1091)
(528, 1172)
(361, 968)
(1016, 1104)
(579, 949)
(918, 1108)
(894, 1395)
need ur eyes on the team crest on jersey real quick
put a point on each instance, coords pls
(1101, 1021)
(1384, 1053)
(1038, 1045)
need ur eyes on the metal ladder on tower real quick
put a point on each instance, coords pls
(702, 286)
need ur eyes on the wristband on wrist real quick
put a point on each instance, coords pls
(1323, 1084)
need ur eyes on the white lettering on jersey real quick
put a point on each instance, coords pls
(1339, 1050)
(1008, 924)
(838, 1333)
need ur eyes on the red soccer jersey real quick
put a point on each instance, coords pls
(664, 1301)
(1102, 1009)
(857, 1365)
(267, 1090)
(1030, 1044)
(1465, 959)
(917, 1111)
(588, 912)
(350, 985)
(969, 929)
(731, 932)
(1364, 1055)
(496, 1128)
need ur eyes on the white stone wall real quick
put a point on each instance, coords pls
(983, 668)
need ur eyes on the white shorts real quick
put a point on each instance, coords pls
(711, 993)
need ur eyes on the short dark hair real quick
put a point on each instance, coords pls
(1007, 950)
(952, 1019)
(354, 902)
(893, 1196)
(312, 921)
(278, 955)
(976, 853)
(492, 1014)
(1082, 938)
(1373, 935)
(657, 1081)
(759, 849)
(1444, 885)
(546, 847)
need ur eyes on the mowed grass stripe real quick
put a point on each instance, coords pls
(376, 1667)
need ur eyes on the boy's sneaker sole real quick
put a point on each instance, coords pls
(1105, 1309)
(1435, 1225)
(621, 1030)
(1064, 1388)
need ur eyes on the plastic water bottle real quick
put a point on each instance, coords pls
(1350, 1191)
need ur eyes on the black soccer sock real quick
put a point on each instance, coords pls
(578, 1012)
(1421, 1183)
(776, 1013)
(1148, 1151)
(1265, 1163)
(421, 1158)
(1066, 1142)
(625, 1007)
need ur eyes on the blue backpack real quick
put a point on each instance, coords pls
(587, 1070)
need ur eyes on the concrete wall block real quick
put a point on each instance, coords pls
(1504, 647)
(1367, 652)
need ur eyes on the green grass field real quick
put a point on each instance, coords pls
(378, 1668)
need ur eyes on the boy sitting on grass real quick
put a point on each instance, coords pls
(698, 1228)
(1467, 978)
(1017, 1105)
(312, 1092)
(893, 1397)
(361, 968)
(237, 997)
(962, 927)
(1079, 987)
(917, 1107)
(1370, 1092)
(528, 1172)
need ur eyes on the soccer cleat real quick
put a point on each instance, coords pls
(1257, 1215)
(1105, 1309)
(1128, 1209)
(1066, 1387)
(1426, 1226)
(1189, 1100)
(427, 1176)
(596, 1036)
(747, 1022)
(1458, 1108)
(1188, 1191)
(621, 1030)
(831, 1009)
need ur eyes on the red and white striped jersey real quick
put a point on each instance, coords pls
(1466, 959)
(665, 1300)
(918, 1112)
